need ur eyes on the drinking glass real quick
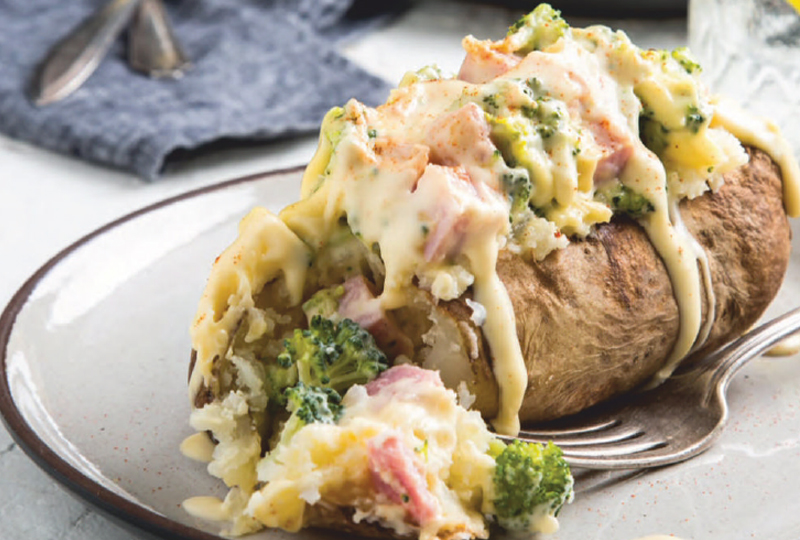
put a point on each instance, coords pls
(750, 50)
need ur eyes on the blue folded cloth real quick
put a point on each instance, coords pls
(262, 69)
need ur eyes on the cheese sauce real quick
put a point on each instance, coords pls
(788, 347)
(205, 507)
(198, 447)
(500, 329)
(766, 136)
(705, 273)
(265, 248)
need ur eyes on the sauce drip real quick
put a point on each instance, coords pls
(500, 330)
(210, 508)
(788, 347)
(679, 252)
(265, 248)
(766, 136)
(705, 271)
(198, 447)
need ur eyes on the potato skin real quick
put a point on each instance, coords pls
(599, 318)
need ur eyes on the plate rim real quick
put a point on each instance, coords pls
(120, 509)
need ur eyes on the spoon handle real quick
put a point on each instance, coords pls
(73, 60)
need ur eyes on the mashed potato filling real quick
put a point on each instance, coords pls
(429, 454)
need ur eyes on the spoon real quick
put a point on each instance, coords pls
(152, 46)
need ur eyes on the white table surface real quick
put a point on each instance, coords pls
(47, 201)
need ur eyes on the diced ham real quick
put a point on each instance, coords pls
(403, 373)
(462, 137)
(451, 193)
(397, 473)
(611, 164)
(616, 144)
(591, 96)
(447, 237)
(483, 62)
(397, 156)
(360, 305)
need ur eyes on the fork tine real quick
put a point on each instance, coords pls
(566, 431)
(612, 450)
(599, 437)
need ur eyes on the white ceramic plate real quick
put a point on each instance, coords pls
(94, 351)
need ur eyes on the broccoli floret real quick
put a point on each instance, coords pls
(694, 118)
(333, 355)
(324, 303)
(653, 133)
(510, 136)
(314, 403)
(307, 405)
(533, 88)
(427, 73)
(515, 137)
(538, 29)
(491, 102)
(518, 188)
(280, 376)
(531, 482)
(656, 136)
(686, 60)
(621, 198)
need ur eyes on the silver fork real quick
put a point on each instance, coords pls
(668, 424)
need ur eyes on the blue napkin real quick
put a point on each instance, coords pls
(262, 69)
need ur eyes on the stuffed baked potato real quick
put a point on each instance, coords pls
(568, 218)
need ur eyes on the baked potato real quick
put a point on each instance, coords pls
(567, 219)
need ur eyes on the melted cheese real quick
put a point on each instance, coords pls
(205, 507)
(198, 447)
(677, 252)
(500, 328)
(788, 347)
(764, 135)
(265, 248)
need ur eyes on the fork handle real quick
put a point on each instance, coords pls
(726, 362)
